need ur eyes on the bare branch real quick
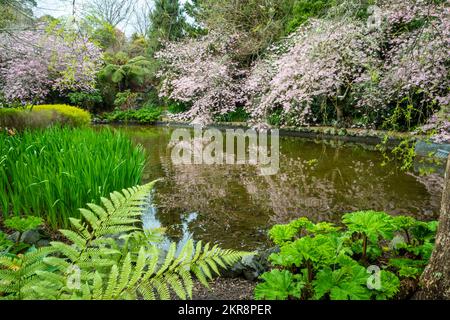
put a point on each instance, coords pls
(112, 11)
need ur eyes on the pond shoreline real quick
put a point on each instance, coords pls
(365, 136)
(368, 136)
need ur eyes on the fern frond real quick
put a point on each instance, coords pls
(112, 283)
(124, 274)
(19, 273)
(113, 257)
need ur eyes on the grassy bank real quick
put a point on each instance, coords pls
(43, 116)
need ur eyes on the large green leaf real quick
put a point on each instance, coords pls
(408, 268)
(390, 285)
(346, 283)
(320, 250)
(371, 223)
(118, 75)
(280, 234)
(279, 285)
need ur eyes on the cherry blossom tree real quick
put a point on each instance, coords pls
(320, 67)
(200, 73)
(413, 73)
(390, 70)
(35, 63)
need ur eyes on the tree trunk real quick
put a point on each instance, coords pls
(339, 113)
(435, 281)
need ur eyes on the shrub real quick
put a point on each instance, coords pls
(323, 261)
(22, 119)
(67, 114)
(126, 100)
(5, 243)
(239, 115)
(23, 224)
(10, 117)
(53, 172)
(43, 116)
(107, 270)
(86, 100)
(126, 73)
(305, 9)
(177, 107)
(145, 115)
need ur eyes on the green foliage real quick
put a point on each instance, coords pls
(110, 258)
(404, 152)
(324, 261)
(390, 284)
(303, 10)
(281, 234)
(125, 72)
(65, 114)
(86, 100)
(408, 268)
(5, 243)
(279, 285)
(371, 226)
(424, 231)
(18, 273)
(146, 115)
(275, 118)
(319, 251)
(419, 235)
(239, 115)
(43, 116)
(177, 107)
(126, 100)
(47, 173)
(20, 225)
(408, 113)
(346, 283)
(104, 34)
(23, 224)
(167, 23)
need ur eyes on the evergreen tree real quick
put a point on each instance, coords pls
(195, 27)
(167, 23)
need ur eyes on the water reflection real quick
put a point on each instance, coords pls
(150, 221)
(234, 206)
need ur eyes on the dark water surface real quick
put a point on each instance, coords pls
(234, 206)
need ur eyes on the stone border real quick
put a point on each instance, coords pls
(366, 136)
(372, 137)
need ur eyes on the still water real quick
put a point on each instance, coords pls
(234, 206)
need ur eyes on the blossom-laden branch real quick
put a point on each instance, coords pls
(35, 63)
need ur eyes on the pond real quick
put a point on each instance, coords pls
(234, 206)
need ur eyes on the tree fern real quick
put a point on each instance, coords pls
(127, 71)
(113, 259)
